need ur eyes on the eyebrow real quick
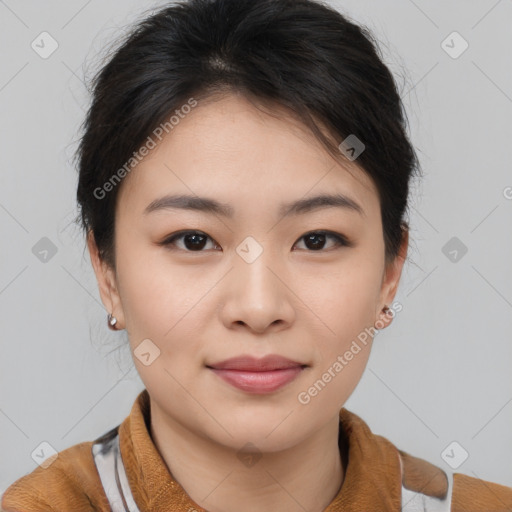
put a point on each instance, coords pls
(212, 206)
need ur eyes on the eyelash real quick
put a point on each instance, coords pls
(341, 241)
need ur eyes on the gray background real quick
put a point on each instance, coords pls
(440, 373)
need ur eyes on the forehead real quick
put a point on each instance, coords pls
(233, 150)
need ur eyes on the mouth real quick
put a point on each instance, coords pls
(259, 376)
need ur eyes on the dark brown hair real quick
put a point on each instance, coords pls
(301, 54)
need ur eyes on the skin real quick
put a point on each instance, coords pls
(206, 305)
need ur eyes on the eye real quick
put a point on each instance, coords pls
(315, 240)
(194, 241)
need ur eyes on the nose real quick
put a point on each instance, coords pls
(258, 293)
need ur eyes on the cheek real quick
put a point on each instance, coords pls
(344, 303)
(162, 302)
(342, 347)
(344, 298)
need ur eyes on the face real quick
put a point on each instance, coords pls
(194, 287)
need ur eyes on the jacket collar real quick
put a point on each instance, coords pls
(372, 474)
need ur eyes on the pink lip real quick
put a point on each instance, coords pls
(253, 375)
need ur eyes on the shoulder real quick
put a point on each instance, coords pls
(426, 484)
(67, 481)
(473, 494)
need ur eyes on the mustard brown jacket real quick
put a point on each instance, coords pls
(378, 477)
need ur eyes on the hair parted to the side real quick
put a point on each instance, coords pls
(304, 55)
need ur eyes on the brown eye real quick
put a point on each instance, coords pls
(316, 240)
(193, 241)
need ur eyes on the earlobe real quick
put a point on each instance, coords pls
(385, 318)
(107, 285)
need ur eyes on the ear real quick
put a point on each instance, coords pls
(390, 281)
(107, 284)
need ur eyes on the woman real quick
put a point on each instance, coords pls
(244, 176)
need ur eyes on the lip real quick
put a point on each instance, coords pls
(253, 364)
(264, 375)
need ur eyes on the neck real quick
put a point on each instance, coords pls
(307, 476)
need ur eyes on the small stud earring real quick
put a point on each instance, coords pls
(112, 321)
(379, 324)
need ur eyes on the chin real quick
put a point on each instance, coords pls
(268, 433)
